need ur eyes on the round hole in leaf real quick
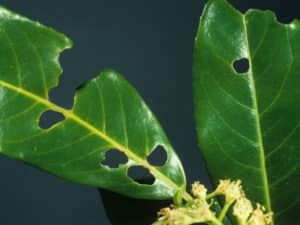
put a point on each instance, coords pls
(50, 118)
(158, 156)
(140, 175)
(114, 158)
(241, 66)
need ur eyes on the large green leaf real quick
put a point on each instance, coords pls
(248, 123)
(107, 114)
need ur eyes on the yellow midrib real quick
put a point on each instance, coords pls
(71, 115)
(257, 119)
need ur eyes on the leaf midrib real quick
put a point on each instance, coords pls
(257, 120)
(71, 115)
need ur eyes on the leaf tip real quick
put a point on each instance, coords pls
(110, 74)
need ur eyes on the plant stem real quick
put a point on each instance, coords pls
(216, 222)
(187, 197)
(224, 211)
(211, 195)
(240, 222)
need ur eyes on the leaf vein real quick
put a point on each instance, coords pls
(286, 175)
(278, 147)
(225, 122)
(284, 80)
(231, 158)
(28, 109)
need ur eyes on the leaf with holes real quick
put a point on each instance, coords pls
(248, 118)
(108, 114)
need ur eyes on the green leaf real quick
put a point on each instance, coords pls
(107, 114)
(248, 123)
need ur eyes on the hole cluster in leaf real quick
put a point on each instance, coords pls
(158, 156)
(140, 175)
(241, 66)
(114, 158)
(50, 118)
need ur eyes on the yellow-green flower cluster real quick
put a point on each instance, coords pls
(196, 211)
(242, 207)
(242, 210)
(199, 209)
(232, 190)
(199, 191)
(259, 217)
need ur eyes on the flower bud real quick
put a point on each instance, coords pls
(198, 190)
(242, 209)
(259, 218)
(232, 190)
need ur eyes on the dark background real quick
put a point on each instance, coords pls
(151, 43)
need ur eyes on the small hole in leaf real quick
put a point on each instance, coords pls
(241, 66)
(158, 156)
(140, 175)
(114, 158)
(50, 118)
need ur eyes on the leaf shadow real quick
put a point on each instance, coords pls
(122, 210)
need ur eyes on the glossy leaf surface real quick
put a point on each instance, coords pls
(107, 114)
(248, 122)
